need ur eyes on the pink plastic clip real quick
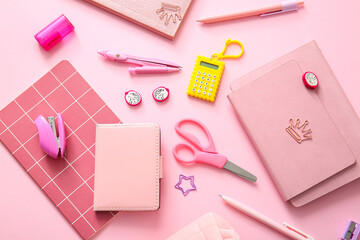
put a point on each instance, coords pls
(49, 142)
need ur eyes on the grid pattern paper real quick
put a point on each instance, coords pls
(68, 182)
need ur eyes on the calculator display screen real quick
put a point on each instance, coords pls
(209, 65)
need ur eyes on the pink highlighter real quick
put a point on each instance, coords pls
(49, 36)
(49, 142)
(146, 65)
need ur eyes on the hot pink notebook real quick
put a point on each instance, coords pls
(68, 182)
(304, 164)
(161, 16)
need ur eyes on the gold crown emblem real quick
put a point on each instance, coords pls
(298, 131)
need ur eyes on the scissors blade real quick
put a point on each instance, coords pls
(239, 171)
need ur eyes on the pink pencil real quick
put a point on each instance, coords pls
(285, 6)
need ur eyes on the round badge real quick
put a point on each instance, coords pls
(132, 98)
(310, 80)
(160, 94)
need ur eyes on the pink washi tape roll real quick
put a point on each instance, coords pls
(54, 32)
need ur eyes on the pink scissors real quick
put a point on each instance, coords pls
(206, 154)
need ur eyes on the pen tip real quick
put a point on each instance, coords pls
(220, 195)
(102, 53)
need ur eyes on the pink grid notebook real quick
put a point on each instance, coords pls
(68, 182)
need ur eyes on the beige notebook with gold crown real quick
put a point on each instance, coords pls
(161, 16)
(309, 140)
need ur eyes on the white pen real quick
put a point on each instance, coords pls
(285, 229)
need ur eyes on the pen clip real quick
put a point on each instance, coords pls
(286, 6)
(291, 228)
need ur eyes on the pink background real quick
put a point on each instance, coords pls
(26, 213)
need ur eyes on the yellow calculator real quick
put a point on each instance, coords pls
(205, 78)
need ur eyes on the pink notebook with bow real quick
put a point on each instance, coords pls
(309, 140)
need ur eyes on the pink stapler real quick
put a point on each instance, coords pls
(146, 65)
(49, 142)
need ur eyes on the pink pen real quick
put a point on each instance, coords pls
(284, 6)
(145, 65)
(284, 228)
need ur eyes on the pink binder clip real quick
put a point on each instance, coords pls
(49, 142)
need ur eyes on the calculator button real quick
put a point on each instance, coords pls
(201, 82)
(195, 85)
(208, 79)
(206, 83)
(204, 73)
(204, 92)
(211, 85)
(214, 76)
(196, 80)
(197, 76)
(209, 75)
(210, 89)
(213, 81)
(193, 89)
(205, 88)
(199, 86)
(202, 78)
(199, 72)
(198, 91)
(209, 94)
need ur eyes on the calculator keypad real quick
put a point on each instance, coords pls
(205, 79)
(200, 86)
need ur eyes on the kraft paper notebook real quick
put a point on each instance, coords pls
(128, 167)
(68, 182)
(309, 157)
(161, 16)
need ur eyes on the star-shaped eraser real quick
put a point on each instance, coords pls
(181, 178)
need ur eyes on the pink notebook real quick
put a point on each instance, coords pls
(304, 164)
(161, 16)
(68, 182)
(128, 167)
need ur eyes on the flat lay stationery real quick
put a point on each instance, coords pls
(162, 17)
(283, 139)
(308, 128)
(205, 154)
(69, 180)
(128, 167)
(283, 7)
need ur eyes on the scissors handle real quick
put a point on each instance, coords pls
(213, 159)
(192, 139)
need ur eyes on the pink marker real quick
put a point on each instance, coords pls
(145, 65)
